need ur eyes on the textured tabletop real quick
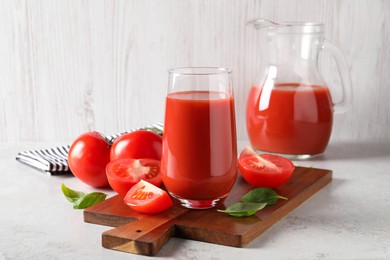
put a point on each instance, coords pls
(348, 219)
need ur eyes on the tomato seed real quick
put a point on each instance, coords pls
(141, 195)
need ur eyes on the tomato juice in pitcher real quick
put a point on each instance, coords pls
(289, 108)
(297, 119)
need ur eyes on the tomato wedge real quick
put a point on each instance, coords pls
(147, 198)
(265, 170)
(122, 174)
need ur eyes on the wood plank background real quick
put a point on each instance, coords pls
(71, 66)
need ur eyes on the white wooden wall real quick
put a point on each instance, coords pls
(69, 66)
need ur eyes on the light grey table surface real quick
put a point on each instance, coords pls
(348, 219)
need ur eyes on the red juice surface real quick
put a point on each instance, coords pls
(199, 145)
(290, 118)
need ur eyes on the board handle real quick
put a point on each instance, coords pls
(145, 236)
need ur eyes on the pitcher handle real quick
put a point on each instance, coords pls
(342, 67)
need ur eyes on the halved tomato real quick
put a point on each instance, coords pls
(147, 198)
(265, 170)
(122, 174)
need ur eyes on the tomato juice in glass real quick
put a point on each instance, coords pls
(199, 159)
(290, 118)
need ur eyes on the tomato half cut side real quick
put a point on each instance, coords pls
(122, 174)
(266, 170)
(146, 198)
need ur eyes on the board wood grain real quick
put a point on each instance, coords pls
(145, 234)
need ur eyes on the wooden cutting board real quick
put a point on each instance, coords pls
(145, 234)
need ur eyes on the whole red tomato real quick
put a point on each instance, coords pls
(87, 159)
(139, 144)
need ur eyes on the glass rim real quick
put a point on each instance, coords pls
(199, 71)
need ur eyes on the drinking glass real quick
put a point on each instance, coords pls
(199, 157)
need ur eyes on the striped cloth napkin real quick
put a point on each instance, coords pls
(54, 161)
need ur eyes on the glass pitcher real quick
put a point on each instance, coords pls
(289, 108)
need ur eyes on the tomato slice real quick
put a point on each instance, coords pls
(264, 170)
(122, 174)
(144, 197)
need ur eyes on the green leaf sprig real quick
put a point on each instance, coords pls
(82, 200)
(262, 195)
(252, 202)
(243, 209)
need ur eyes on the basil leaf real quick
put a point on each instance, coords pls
(82, 200)
(70, 194)
(89, 200)
(262, 195)
(243, 209)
